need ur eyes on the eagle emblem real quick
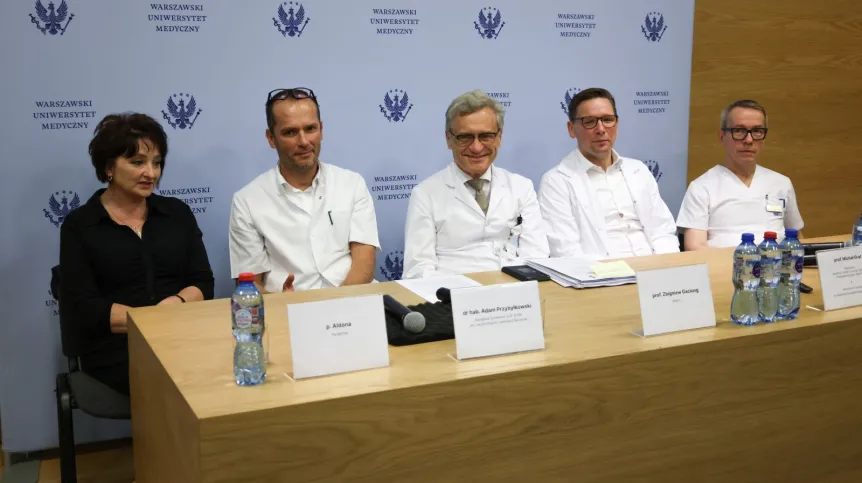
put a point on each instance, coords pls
(180, 114)
(490, 23)
(61, 209)
(653, 168)
(396, 105)
(393, 266)
(567, 99)
(654, 27)
(291, 22)
(51, 20)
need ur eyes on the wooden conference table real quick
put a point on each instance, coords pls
(778, 402)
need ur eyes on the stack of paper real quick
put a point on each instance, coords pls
(579, 272)
(427, 287)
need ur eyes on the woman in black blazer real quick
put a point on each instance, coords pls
(126, 247)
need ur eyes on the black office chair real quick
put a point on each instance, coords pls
(681, 235)
(78, 390)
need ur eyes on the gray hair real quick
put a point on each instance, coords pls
(470, 102)
(746, 103)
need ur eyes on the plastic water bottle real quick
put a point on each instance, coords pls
(856, 239)
(746, 281)
(792, 255)
(770, 269)
(249, 357)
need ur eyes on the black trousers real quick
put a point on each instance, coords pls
(110, 367)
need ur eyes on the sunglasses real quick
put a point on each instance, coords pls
(292, 93)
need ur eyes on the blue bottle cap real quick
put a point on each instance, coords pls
(748, 237)
(791, 233)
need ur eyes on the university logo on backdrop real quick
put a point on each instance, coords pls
(60, 205)
(393, 265)
(490, 23)
(653, 167)
(394, 21)
(51, 20)
(183, 111)
(198, 198)
(575, 25)
(567, 99)
(393, 187)
(504, 98)
(654, 26)
(652, 102)
(177, 17)
(396, 105)
(62, 115)
(291, 22)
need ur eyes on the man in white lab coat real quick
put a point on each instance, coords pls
(738, 196)
(598, 203)
(303, 224)
(472, 216)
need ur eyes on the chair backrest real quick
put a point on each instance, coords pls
(55, 282)
(681, 236)
(65, 340)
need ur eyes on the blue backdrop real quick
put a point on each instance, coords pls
(204, 70)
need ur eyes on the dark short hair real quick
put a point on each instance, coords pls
(586, 95)
(744, 103)
(118, 134)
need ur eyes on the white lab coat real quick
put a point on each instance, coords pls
(575, 217)
(447, 233)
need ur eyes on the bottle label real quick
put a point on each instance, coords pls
(770, 266)
(243, 318)
(746, 272)
(256, 316)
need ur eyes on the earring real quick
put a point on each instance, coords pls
(110, 179)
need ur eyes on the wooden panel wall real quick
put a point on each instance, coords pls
(802, 60)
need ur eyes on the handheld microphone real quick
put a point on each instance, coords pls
(412, 321)
(444, 295)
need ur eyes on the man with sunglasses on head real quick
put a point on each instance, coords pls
(738, 196)
(597, 203)
(303, 224)
(472, 216)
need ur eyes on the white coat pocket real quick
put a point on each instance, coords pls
(340, 227)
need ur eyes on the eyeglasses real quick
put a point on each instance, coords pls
(591, 121)
(292, 93)
(740, 133)
(466, 139)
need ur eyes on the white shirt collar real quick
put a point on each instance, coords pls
(316, 183)
(585, 165)
(464, 177)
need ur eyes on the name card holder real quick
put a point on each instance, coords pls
(337, 335)
(497, 319)
(840, 277)
(675, 299)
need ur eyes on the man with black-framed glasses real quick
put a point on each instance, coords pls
(303, 224)
(738, 196)
(472, 216)
(598, 203)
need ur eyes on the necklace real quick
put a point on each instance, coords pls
(138, 228)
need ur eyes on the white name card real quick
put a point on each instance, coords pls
(338, 335)
(675, 299)
(497, 319)
(840, 277)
